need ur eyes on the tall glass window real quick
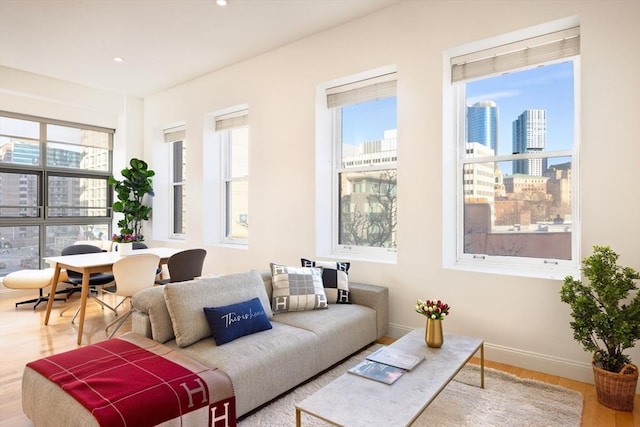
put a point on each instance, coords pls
(233, 131)
(517, 146)
(176, 138)
(53, 188)
(365, 173)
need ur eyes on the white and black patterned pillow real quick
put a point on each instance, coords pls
(297, 288)
(335, 279)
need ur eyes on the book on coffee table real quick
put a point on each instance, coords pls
(377, 371)
(394, 357)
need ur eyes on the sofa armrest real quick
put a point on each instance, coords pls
(151, 307)
(375, 297)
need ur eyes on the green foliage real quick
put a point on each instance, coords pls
(136, 183)
(606, 309)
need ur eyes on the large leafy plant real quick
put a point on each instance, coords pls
(130, 192)
(605, 308)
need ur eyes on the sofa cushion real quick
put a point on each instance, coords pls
(236, 320)
(185, 301)
(335, 279)
(297, 288)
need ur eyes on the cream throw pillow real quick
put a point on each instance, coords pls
(186, 300)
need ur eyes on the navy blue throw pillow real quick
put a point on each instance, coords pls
(236, 320)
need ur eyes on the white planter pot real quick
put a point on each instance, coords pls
(125, 249)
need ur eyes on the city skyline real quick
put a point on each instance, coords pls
(548, 88)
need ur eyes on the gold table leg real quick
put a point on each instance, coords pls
(482, 365)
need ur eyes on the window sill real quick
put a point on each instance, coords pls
(547, 272)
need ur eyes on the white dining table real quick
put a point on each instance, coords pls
(86, 264)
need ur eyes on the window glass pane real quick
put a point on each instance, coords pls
(18, 195)
(61, 236)
(74, 196)
(19, 151)
(368, 205)
(239, 155)
(77, 157)
(179, 157)
(518, 215)
(237, 210)
(179, 214)
(19, 249)
(369, 133)
(523, 111)
(522, 207)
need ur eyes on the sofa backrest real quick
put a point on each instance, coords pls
(156, 321)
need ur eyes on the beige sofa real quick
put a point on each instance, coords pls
(261, 365)
(265, 364)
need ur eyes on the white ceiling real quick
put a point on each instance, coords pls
(163, 42)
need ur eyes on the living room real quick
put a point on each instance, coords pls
(520, 317)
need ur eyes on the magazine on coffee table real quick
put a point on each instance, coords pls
(377, 371)
(394, 357)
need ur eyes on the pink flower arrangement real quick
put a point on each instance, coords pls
(126, 238)
(433, 309)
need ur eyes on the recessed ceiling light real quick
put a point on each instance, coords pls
(118, 59)
(221, 2)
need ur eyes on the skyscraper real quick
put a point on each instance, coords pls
(530, 135)
(482, 124)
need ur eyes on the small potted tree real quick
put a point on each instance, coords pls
(606, 321)
(130, 192)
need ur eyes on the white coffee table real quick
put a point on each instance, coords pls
(354, 401)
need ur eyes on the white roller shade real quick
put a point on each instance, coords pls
(232, 120)
(174, 134)
(362, 91)
(536, 50)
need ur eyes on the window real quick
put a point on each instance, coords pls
(176, 138)
(363, 179)
(516, 170)
(233, 132)
(53, 188)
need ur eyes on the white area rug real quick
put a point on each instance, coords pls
(506, 400)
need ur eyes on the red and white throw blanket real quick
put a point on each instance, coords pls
(134, 381)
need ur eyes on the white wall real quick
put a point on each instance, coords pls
(521, 319)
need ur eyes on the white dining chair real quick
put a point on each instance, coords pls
(132, 274)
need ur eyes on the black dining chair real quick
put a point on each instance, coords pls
(95, 279)
(185, 265)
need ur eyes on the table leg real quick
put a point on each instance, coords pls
(298, 418)
(54, 285)
(83, 303)
(482, 365)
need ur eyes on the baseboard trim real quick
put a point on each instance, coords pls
(547, 364)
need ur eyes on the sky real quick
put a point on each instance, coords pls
(549, 88)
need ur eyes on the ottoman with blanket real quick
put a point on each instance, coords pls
(267, 331)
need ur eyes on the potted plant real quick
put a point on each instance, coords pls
(130, 193)
(606, 321)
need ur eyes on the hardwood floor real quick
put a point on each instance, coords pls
(23, 338)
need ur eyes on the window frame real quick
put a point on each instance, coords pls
(43, 172)
(329, 168)
(237, 119)
(172, 136)
(454, 160)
